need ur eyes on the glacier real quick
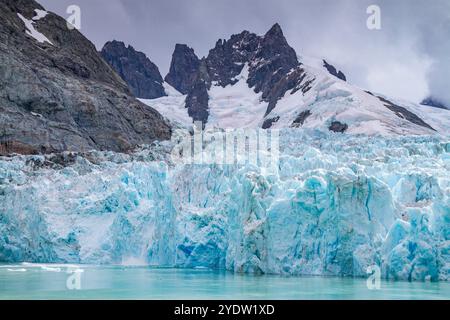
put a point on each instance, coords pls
(334, 205)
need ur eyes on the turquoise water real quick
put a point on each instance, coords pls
(32, 281)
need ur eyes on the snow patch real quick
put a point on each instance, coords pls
(171, 91)
(172, 107)
(40, 14)
(31, 31)
(235, 106)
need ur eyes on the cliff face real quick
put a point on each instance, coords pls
(141, 75)
(183, 68)
(58, 94)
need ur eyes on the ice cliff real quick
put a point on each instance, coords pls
(335, 205)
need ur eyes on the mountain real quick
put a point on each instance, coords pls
(141, 75)
(58, 94)
(251, 81)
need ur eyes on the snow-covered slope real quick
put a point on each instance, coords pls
(331, 99)
(328, 99)
(171, 106)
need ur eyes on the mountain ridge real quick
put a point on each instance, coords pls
(281, 89)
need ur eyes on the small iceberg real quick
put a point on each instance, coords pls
(17, 270)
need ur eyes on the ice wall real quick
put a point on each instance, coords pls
(334, 206)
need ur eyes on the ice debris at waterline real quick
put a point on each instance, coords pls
(336, 205)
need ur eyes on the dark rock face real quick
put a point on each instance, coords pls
(268, 123)
(301, 118)
(293, 81)
(337, 126)
(141, 75)
(183, 69)
(430, 101)
(197, 99)
(63, 96)
(333, 71)
(405, 113)
(226, 60)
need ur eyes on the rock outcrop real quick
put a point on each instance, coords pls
(58, 94)
(141, 75)
(183, 69)
(404, 113)
(333, 71)
(432, 102)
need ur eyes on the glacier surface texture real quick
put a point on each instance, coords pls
(336, 205)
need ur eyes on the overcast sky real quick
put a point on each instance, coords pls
(408, 58)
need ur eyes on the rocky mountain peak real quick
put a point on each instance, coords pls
(274, 43)
(183, 68)
(141, 75)
(273, 60)
(275, 32)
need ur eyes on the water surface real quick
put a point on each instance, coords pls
(34, 281)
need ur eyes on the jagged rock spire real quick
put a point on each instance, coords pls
(141, 75)
(275, 32)
(183, 68)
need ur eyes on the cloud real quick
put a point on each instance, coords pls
(433, 40)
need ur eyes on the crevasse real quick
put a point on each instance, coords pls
(335, 205)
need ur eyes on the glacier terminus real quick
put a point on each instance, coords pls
(334, 205)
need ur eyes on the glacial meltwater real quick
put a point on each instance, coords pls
(49, 281)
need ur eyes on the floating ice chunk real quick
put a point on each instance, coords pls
(50, 269)
(17, 270)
